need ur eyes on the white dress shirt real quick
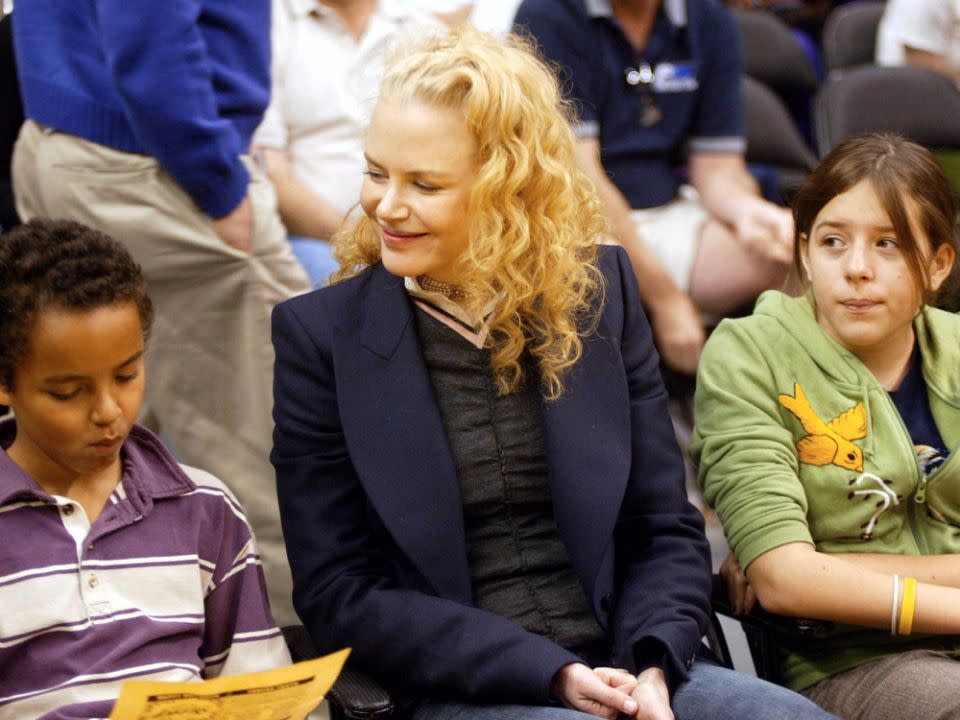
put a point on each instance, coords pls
(929, 25)
(493, 16)
(325, 86)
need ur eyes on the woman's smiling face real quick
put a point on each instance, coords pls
(420, 171)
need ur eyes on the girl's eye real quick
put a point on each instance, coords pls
(63, 396)
(426, 187)
(123, 379)
(831, 241)
(886, 243)
(374, 174)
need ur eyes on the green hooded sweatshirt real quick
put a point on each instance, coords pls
(796, 441)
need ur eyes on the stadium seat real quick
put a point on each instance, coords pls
(921, 104)
(773, 139)
(772, 54)
(850, 35)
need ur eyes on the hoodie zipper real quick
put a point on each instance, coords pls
(920, 494)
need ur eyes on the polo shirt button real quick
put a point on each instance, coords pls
(606, 602)
(93, 581)
(68, 509)
(689, 663)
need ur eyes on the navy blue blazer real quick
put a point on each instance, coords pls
(373, 518)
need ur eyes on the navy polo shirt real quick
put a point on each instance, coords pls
(694, 52)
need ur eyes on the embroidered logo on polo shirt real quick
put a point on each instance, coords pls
(671, 77)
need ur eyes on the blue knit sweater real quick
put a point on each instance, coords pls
(185, 81)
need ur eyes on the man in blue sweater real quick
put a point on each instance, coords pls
(139, 118)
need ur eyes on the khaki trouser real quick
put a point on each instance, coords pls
(913, 685)
(209, 359)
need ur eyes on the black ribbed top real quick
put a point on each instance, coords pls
(519, 565)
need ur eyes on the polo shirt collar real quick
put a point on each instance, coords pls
(150, 472)
(676, 10)
(303, 8)
(14, 482)
(150, 468)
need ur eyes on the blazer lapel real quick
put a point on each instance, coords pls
(588, 453)
(402, 456)
(398, 442)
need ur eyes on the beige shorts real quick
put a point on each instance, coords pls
(672, 232)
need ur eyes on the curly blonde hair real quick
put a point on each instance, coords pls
(534, 218)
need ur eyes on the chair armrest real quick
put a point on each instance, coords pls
(354, 695)
(299, 642)
(761, 620)
(766, 632)
(360, 697)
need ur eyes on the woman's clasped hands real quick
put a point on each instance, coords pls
(609, 692)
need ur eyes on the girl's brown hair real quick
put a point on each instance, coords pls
(907, 179)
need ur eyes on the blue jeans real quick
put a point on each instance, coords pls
(316, 256)
(711, 693)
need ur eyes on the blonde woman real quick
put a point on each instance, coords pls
(480, 488)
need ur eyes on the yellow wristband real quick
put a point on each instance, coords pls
(907, 606)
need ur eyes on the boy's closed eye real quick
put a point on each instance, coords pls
(63, 396)
(66, 393)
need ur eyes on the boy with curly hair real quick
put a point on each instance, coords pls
(117, 562)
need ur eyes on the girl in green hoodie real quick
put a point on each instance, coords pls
(828, 436)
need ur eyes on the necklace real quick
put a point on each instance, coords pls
(448, 290)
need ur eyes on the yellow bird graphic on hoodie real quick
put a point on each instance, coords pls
(828, 442)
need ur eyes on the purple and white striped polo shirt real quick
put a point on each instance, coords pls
(165, 585)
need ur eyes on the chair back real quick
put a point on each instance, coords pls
(771, 52)
(921, 104)
(850, 35)
(773, 138)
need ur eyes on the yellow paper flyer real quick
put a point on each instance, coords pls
(284, 694)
